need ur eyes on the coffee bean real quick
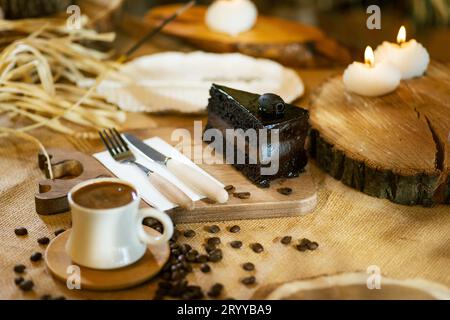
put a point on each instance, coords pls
(286, 240)
(285, 191)
(192, 293)
(46, 297)
(185, 248)
(59, 231)
(21, 231)
(235, 229)
(209, 247)
(215, 290)
(230, 188)
(248, 266)
(19, 268)
(215, 255)
(248, 280)
(213, 241)
(205, 268)
(302, 247)
(304, 241)
(18, 280)
(257, 247)
(26, 285)
(189, 233)
(36, 256)
(44, 241)
(313, 246)
(213, 229)
(202, 258)
(236, 244)
(191, 256)
(242, 195)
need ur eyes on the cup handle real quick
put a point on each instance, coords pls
(161, 217)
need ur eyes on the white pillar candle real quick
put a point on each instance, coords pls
(231, 16)
(410, 57)
(371, 78)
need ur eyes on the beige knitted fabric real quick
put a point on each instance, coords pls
(353, 230)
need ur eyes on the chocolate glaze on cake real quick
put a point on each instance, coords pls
(234, 109)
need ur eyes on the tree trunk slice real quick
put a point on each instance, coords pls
(287, 41)
(395, 146)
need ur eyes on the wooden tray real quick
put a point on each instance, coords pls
(287, 41)
(72, 167)
(396, 146)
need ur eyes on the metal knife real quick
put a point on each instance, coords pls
(188, 175)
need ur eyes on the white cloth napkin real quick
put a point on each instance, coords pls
(135, 176)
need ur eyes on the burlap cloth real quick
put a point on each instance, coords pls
(353, 230)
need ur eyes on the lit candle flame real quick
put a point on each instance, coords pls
(401, 37)
(369, 57)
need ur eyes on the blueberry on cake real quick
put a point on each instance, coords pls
(280, 130)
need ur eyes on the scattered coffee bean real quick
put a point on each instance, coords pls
(36, 256)
(304, 241)
(21, 231)
(26, 285)
(313, 246)
(248, 266)
(44, 241)
(286, 240)
(192, 293)
(202, 258)
(213, 229)
(189, 233)
(185, 248)
(59, 231)
(46, 297)
(242, 195)
(18, 280)
(236, 244)
(215, 290)
(191, 256)
(215, 255)
(235, 229)
(205, 268)
(213, 241)
(285, 191)
(19, 268)
(230, 188)
(209, 247)
(301, 247)
(248, 280)
(257, 247)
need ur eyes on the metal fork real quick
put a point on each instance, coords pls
(119, 150)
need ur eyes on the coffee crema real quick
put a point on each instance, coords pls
(104, 195)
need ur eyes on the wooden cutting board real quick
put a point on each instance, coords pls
(73, 167)
(396, 146)
(289, 42)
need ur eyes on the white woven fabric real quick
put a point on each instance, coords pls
(175, 81)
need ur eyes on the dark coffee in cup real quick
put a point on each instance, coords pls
(104, 195)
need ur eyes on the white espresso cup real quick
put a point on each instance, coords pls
(115, 237)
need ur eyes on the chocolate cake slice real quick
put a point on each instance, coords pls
(281, 154)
